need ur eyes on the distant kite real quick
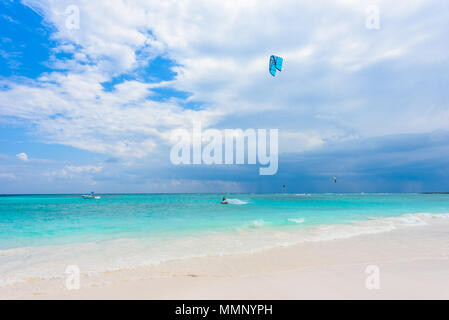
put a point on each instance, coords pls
(275, 64)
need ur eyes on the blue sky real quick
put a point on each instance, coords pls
(92, 108)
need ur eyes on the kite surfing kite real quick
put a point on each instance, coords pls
(275, 64)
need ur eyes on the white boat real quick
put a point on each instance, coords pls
(90, 196)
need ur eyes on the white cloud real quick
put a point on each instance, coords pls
(86, 168)
(330, 87)
(71, 171)
(22, 156)
(10, 176)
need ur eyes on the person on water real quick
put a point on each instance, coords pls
(224, 201)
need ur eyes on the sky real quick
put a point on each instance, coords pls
(89, 104)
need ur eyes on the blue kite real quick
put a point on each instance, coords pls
(275, 63)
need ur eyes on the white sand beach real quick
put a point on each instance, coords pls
(413, 263)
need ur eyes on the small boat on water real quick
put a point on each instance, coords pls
(90, 196)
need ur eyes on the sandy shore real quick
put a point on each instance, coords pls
(413, 263)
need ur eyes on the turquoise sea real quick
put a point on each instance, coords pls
(40, 234)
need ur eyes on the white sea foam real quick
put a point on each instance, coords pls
(408, 220)
(49, 262)
(296, 220)
(258, 223)
(433, 215)
(236, 201)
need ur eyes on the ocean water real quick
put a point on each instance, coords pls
(41, 234)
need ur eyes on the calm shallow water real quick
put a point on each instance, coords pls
(40, 234)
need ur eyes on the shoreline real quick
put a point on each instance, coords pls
(95, 258)
(413, 264)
